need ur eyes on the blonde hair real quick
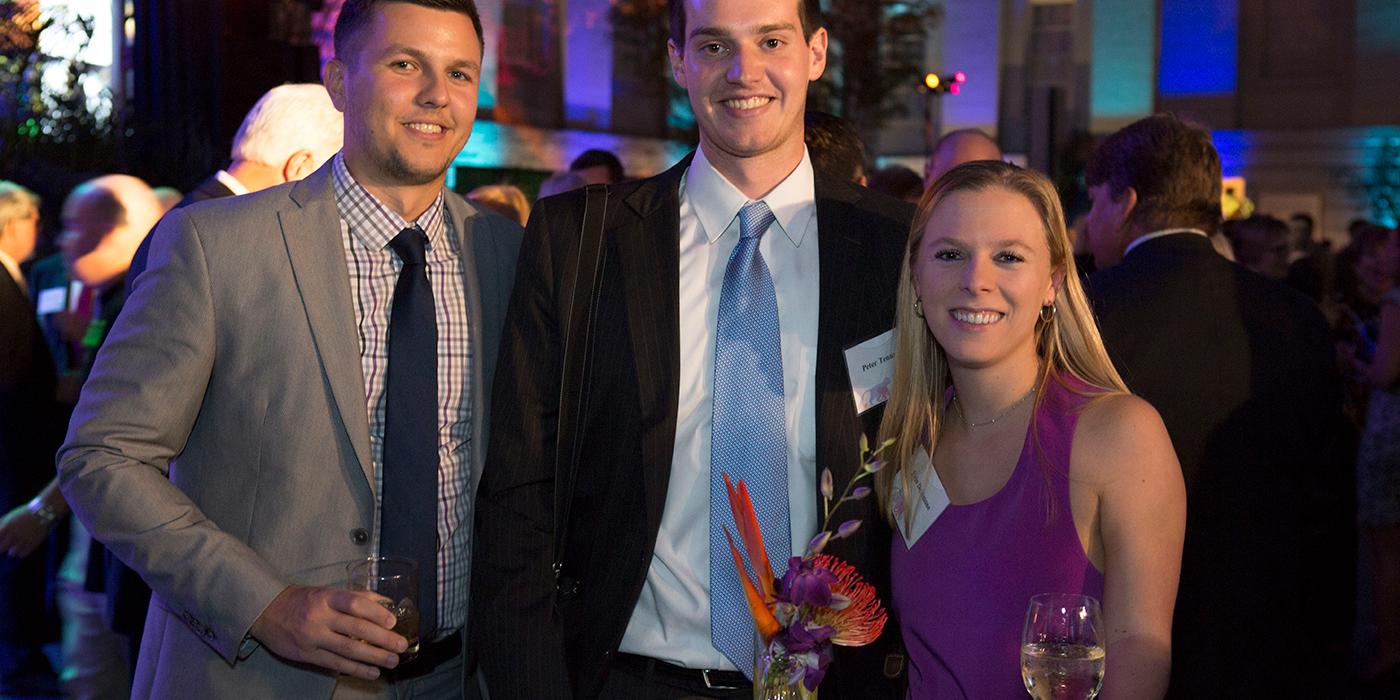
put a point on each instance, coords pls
(506, 200)
(1068, 344)
(16, 202)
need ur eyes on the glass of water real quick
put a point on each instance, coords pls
(1062, 647)
(395, 578)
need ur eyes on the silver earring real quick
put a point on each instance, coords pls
(919, 308)
(1047, 312)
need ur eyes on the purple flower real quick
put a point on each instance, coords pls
(809, 648)
(815, 663)
(804, 637)
(806, 584)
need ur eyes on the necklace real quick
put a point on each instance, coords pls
(958, 405)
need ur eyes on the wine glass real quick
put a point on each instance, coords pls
(1062, 647)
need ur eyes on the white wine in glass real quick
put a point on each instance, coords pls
(1062, 649)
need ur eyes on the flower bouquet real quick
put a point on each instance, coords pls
(818, 602)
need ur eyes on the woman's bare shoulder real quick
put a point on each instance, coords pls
(1121, 435)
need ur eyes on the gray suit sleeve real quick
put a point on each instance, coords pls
(134, 417)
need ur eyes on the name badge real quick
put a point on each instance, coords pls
(51, 300)
(929, 500)
(871, 366)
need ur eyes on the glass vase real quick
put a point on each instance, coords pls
(777, 676)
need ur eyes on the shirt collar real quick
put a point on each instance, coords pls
(372, 222)
(12, 267)
(228, 180)
(717, 201)
(1159, 234)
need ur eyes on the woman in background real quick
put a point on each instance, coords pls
(1046, 475)
(1378, 460)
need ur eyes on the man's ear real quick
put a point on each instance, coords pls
(817, 47)
(1123, 207)
(298, 166)
(333, 77)
(677, 56)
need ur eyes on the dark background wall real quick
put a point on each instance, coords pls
(197, 67)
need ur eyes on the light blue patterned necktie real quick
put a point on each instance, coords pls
(749, 438)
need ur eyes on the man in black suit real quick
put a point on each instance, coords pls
(1241, 369)
(290, 132)
(29, 434)
(635, 616)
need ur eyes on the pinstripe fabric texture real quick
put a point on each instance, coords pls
(367, 226)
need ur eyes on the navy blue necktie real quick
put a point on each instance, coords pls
(408, 520)
(749, 438)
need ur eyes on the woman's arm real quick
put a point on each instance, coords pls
(1124, 448)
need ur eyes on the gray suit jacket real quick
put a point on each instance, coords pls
(221, 446)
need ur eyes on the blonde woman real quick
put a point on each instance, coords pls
(1021, 465)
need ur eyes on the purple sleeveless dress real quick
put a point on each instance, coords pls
(960, 593)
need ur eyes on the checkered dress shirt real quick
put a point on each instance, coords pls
(366, 227)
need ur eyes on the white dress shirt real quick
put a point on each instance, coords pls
(231, 182)
(672, 619)
(1159, 234)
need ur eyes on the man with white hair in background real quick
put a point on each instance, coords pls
(290, 132)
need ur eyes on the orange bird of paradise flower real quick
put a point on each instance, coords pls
(760, 594)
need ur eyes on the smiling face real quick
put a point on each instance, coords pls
(983, 272)
(408, 90)
(746, 67)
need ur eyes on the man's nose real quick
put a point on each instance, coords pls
(433, 92)
(745, 67)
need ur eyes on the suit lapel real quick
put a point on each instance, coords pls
(646, 238)
(311, 230)
(464, 223)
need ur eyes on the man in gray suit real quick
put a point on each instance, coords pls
(293, 370)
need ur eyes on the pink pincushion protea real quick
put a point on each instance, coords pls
(862, 619)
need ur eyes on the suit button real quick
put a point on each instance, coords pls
(359, 536)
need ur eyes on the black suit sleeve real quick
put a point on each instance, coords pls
(518, 639)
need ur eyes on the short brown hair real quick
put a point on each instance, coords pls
(810, 12)
(1173, 167)
(355, 14)
(835, 145)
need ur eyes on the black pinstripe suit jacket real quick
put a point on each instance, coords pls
(528, 649)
